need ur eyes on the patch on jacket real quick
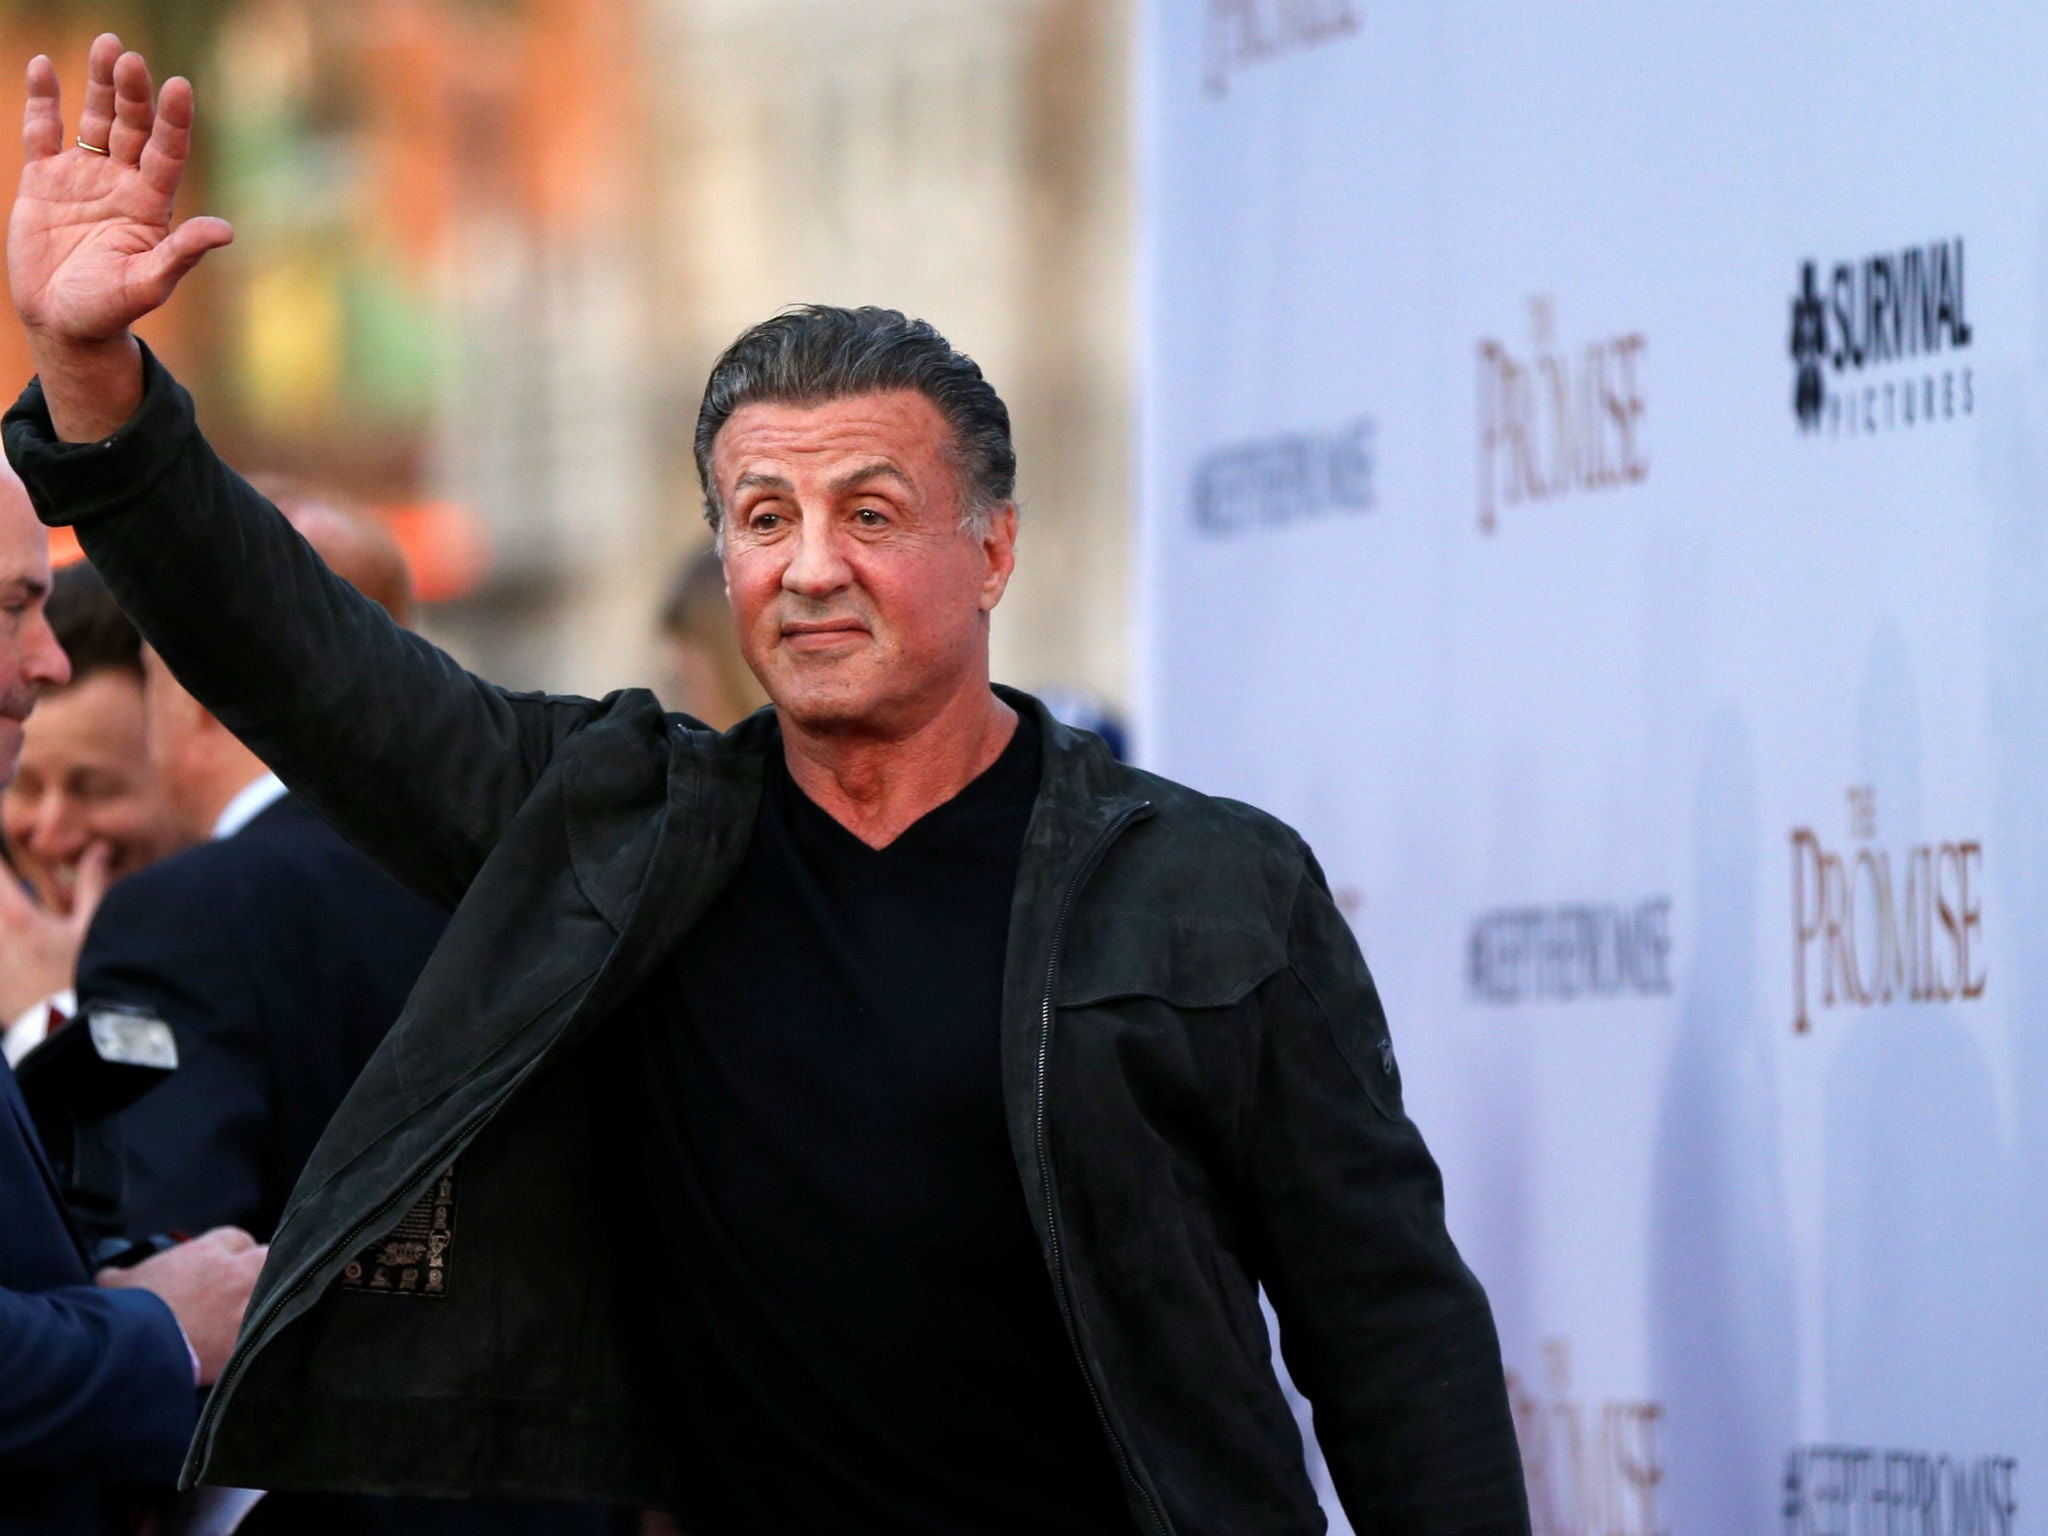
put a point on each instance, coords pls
(412, 1258)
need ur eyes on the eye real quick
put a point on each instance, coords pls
(871, 517)
(762, 522)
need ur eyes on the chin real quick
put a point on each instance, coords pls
(831, 713)
(820, 704)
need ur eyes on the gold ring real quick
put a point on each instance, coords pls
(94, 148)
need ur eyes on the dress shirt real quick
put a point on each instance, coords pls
(253, 799)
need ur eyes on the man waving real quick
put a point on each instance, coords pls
(881, 1117)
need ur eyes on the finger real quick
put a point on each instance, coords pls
(170, 140)
(134, 109)
(232, 1239)
(96, 122)
(178, 253)
(42, 121)
(91, 884)
(16, 905)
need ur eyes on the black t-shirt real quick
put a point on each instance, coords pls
(862, 1332)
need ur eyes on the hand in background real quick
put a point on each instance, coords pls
(206, 1284)
(90, 246)
(39, 948)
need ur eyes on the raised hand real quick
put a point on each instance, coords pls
(90, 247)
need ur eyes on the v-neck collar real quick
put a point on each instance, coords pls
(1022, 747)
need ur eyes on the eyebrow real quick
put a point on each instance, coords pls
(881, 469)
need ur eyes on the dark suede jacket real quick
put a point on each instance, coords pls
(1201, 1092)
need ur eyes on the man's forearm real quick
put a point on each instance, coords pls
(99, 1384)
(91, 387)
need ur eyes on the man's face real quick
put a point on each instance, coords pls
(862, 604)
(30, 657)
(85, 778)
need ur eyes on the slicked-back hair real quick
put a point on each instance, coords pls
(818, 352)
(93, 632)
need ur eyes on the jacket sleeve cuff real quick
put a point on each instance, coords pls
(70, 482)
(158, 1366)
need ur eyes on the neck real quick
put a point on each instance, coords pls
(876, 786)
(222, 792)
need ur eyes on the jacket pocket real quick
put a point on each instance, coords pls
(1190, 962)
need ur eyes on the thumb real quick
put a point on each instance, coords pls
(179, 252)
(89, 884)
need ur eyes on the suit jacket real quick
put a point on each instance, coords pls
(279, 956)
(95, 1386)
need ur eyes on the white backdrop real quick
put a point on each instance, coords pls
(1644, 650)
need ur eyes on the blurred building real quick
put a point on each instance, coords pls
(488, 249)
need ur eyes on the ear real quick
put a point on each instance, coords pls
(999, 549)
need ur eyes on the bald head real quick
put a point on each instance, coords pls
(201, 766)
(357, 548)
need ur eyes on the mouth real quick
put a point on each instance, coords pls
(829, 635)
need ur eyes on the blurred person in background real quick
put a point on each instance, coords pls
(881, 1117)
(85, 808)
(707, 677)
(98, 1382)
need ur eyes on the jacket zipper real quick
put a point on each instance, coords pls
(245, 1347)
(1045, 1171)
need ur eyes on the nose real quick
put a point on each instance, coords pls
(43, 662)
(817, 567)
(57, 836)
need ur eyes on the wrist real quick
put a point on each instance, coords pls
(91, 387)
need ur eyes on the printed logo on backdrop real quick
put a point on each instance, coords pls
(1291, 477)
(1875, 925)
(1840, 1490)
(1593, 1467)
(1558, 420)
(1244, 34)
(1570, 953)
(1874, 348)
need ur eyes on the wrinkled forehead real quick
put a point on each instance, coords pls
(897, 431)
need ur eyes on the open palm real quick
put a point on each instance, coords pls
(90, 247)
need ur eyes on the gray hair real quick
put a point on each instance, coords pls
(817, 352)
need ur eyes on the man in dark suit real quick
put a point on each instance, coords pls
(279, 956)
(96, 1381)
